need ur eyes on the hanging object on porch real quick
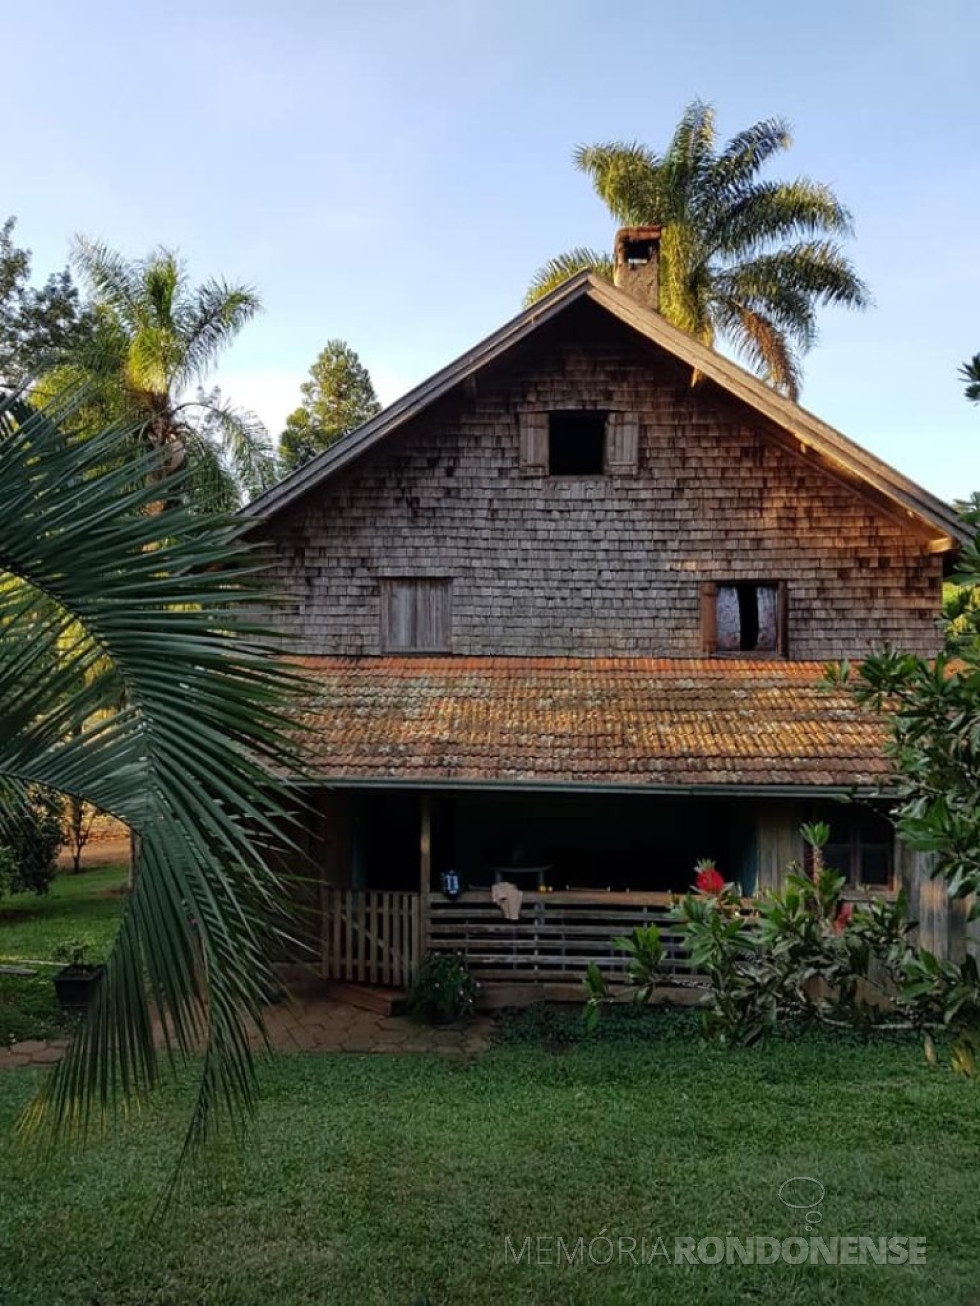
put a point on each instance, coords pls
(450, 884)
(508, 898)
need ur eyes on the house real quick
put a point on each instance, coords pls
(567, 606)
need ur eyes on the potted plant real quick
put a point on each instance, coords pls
(443, 991)
(76, 981)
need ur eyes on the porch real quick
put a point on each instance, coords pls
(587, 867)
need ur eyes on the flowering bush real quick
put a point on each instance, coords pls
(708, 879)
(804, 953)
(443, 990)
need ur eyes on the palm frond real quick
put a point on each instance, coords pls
(816, 269)
(763, 345)
(772, 212)
(242, 440)
(212, 318)
(970, 373)
(626, 177)
(746, 153)
(167, 707)
(112, 279)
(560, 269)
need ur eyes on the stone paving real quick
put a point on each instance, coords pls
(317, 1025)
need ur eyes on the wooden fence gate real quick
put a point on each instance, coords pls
(371, 937)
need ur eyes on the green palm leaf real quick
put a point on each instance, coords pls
(970, 373)
(132, 675)
(558, 270)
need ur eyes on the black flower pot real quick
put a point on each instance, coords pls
(75, 985)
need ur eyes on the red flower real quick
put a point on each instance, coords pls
(709, 880)
(844, 917)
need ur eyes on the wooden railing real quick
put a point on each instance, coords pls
(370, 937)
(555, 937)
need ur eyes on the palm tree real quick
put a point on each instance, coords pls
(156, 338)
(741, 259)
(102, 605)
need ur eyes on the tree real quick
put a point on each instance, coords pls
(104, 603)
(154, 341)
(36, 323)
(741, 259)
(970, 373)
(933, 709)
(337, 398)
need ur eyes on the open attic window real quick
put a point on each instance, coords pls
(744, 618)
(576, 444)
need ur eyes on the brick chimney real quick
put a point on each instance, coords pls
(636, 264)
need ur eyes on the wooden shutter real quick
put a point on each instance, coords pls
(534, 443)
(709, 597)
(432, 615)
(415, 616)
(622, 443)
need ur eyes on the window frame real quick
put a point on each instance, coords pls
(709, 618)
(856, 843)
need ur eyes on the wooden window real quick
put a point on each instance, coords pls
(415, 615)
(576, 444)
(860, 848)
(744, 618)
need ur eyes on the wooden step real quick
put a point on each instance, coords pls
(369, 997)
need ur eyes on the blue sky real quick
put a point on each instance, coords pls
(392, 173)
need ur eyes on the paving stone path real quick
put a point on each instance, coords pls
(319, 1025)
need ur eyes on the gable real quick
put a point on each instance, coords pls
(921, 512)
(598, 566)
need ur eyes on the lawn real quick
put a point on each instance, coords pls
(383, 1179)
(82, 907)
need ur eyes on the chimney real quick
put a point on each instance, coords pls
(636, 264)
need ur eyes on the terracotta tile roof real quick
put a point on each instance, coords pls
(621, 721)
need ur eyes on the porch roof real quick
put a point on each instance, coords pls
(591, 722)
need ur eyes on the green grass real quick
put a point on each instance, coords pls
(382, 1179)
(84, 907)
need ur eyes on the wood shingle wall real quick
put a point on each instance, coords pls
(610, 565)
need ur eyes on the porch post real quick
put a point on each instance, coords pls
(425, 871)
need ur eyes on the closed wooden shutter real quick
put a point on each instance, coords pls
(709, 598)
(622, 443)
(534, 443)
(415, 616)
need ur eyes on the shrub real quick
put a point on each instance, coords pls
(803, 955)
(443, 990)
(30, 845)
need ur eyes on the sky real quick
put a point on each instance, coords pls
(392, 173)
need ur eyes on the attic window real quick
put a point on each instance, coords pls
(576, 444)
(744, 617)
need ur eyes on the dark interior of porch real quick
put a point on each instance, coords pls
(588, 841)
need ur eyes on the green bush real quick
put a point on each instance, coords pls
(30, 843)
(443, 991)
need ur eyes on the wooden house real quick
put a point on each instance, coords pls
(567, 606)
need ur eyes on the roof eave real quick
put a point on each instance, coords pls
(637, 788)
